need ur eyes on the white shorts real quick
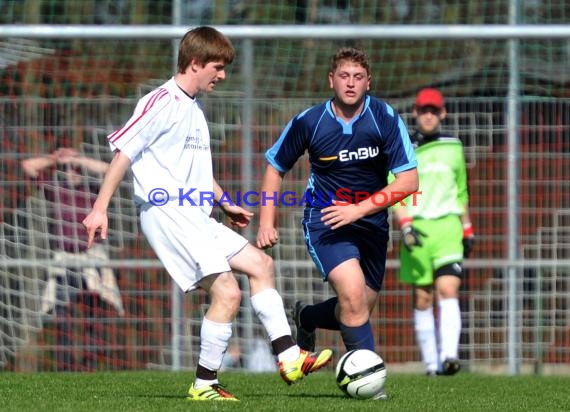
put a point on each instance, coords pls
(190, 244)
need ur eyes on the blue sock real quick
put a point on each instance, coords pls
(359, 337)
(320, 315)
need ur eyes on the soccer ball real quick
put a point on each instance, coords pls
(361, 374)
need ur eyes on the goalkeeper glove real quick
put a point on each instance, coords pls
(468, 237)
(411, 236)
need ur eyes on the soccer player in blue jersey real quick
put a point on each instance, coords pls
(353, 141)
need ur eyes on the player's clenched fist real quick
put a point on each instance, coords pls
(267, 237)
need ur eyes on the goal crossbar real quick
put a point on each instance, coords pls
(352, 31)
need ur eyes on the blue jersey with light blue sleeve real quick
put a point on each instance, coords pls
(346, 158)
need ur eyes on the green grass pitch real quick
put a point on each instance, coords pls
(165, 391)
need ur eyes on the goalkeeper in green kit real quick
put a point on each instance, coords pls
(436, 236)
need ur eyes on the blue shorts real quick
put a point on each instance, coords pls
(329, 248)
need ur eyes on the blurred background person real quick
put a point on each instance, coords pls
(67, 181)
(436, 235)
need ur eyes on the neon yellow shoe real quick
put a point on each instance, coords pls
(213, 392)
(306, 363)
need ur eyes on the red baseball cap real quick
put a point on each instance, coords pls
(429, 97)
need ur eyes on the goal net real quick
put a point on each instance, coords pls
(61, 92)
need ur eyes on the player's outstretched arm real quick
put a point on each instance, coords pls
(267, 234)
(34, 165)
(96, 220)
(88, 163)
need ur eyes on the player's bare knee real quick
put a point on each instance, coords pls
(423, 302)
(354, 319)
(234, 299)
(223, 290)
(268, 263)
(447, 284)
(422, 305)
(448, 291)
(353, 311)
(264, 267)
(229, 297)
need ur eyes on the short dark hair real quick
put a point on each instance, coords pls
(204, 44)
(352, 54)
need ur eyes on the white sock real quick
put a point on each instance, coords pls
(424, 325)
(290, 354)
(214, 339)
(268, 306)
(199, 383)
(449, 328)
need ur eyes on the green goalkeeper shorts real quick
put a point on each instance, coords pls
(442, 245)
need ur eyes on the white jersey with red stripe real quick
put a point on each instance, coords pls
(168, 142)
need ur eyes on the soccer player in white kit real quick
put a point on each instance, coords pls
(166, 142)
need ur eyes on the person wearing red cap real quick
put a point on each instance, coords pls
(436, 235)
